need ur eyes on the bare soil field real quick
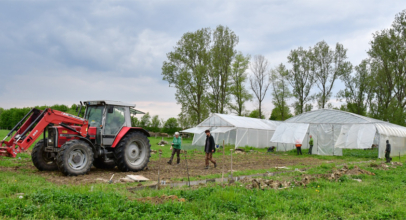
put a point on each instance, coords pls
(195, 161)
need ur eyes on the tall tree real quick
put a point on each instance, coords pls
(135, 122)
(184, 120)
(145, 120)
(255, 114)
(238, 80)
(155, 123)
(358, 89)
(260, 79)
(222, 54)
(328, 65)
(280, 90)
(187, 69)
(170, 126)
(301, 79)
(388, 67)
(280, 115)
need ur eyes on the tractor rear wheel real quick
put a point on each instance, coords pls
(75, 158)
(101, 164)
(132, 153)
(43, 161)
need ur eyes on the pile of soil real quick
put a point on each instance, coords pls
(259, 183)
(386, 166)
(161, 199)
(336, 174)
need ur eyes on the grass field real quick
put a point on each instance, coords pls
(25, 194)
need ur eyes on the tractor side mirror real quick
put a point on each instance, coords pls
(110, 109)
(77, 108)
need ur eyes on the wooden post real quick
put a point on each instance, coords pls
(224, 161)
(231, 150)
(159, 166)
(187, 168)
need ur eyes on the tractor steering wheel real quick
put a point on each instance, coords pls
(94, 123)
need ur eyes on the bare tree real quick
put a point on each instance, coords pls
(260, 79)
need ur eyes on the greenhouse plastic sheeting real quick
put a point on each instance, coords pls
(356, 136)
(196, 130)
(235, 130)
(222, 129)
(290, 133)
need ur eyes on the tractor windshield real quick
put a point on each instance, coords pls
(94, 114)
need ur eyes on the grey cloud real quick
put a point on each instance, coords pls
(66, 51)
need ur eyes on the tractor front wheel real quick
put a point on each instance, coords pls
(75, 158)
(43, 161)
(132, 153)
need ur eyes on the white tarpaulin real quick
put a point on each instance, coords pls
(289, 133)
(356, 136)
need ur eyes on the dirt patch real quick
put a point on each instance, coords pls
(195, 162)
(161, 199)
(335, 175)
(385, 166)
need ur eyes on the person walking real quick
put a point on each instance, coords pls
(298, 147)
(176, 146)
(209, 149)
(311, 144)
(387, 152)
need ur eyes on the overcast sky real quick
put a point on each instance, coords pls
(61, 52)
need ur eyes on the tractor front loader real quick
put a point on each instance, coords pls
(104, 138)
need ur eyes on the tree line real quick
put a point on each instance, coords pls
(211, 76)
(10, 117)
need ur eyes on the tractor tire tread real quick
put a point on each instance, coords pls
(61, 154)
(36, 157)
(119, 152)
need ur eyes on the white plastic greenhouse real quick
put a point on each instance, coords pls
(235, 130)
(333, 130)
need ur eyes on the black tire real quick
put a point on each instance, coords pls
(101, 164)
(75, 158)
(43, 161)
(134, 146)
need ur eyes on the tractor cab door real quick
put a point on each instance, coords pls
(94, 114)
(115, 119)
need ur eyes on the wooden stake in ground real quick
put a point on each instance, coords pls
(231, 150)
(159, 167)
(187, 168)
(224, 161)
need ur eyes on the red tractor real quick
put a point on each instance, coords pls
(104, 138)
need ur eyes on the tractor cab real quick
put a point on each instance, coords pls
(107, 118)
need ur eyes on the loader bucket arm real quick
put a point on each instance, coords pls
(34, 126)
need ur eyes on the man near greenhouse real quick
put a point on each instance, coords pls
(209, 149)
(311, 144)
(176, 146)
(387, 152)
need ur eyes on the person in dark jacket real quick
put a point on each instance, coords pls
(209, 149)
(387, 152)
